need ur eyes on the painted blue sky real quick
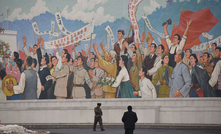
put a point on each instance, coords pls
(84, 10)
(78, 13)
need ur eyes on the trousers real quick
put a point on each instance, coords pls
(98, 119)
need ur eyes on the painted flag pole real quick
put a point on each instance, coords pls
(91, 35)
(130, 26)
(34, 33)
(58, 27)
(144, 23)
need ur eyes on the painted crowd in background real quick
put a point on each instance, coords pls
(92, 49)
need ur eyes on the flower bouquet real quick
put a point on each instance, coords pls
(107, 80)
(4, 49)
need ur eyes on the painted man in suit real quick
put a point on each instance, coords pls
(62, 78)
(180, 80)
(45, 77)
(95, 75)
(149, 59)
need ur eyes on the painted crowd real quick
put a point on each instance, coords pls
(142, 70)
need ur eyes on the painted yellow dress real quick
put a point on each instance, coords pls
(110, 70)
(163, 89)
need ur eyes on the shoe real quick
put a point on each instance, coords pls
(102, 129)
(94, 129)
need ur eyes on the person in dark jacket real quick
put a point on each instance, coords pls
(97, 117)
(129, 119)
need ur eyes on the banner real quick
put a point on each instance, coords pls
(133, 19)
(86, 47)
(89, 37)
(107, 42)
(110, 33)
(206, 35)
(202, 46)
(64, 30)
(71, 38)
(37, 31)
(52, 30)
(151, 28)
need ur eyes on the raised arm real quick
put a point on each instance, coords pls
(25, 49)
(188, 23)
(165, 29)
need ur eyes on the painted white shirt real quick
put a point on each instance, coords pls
(157, 64)
(179, 46)
(18, 89)
(2, 94)
(28, 53)
(123, 76)
(59, 60)
(215, 74)
(147, 89)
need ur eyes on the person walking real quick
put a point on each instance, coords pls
(97, 117)
(129, 119)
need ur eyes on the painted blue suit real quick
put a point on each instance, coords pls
(180, 80)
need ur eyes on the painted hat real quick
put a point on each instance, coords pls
(7, 80)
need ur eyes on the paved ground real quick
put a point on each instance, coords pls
(137, 131)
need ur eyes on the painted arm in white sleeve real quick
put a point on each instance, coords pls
(38, 86)
(18, 89)
(59, 60)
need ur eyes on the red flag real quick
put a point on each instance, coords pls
(163, 42)
(83, 52)
(22, 55)
(203, 21)
(30, 49)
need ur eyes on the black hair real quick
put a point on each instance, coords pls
(34, 61)
(16, 55)
(53, 57)
(189, 50)
(93, 59)
(134, 46)
(155, 46)
(129, 108)
(72, 60)
(35, 45)
(46, 58)
(162, 47)
(206, 54)
(93, 53)
(218, 48)
(144, 70)
(2, 74)
(215, 44)
(68, 56)
(29, 60)
(65, 51)
(82, 58)
(194, 56)
(177, 36)
(125, 59)
(80, 53)
(19, 64)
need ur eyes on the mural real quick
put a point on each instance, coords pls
(109, 49)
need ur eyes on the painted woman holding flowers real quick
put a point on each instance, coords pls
(123, 79)
(15, 71)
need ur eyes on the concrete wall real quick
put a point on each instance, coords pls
(154, 111)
